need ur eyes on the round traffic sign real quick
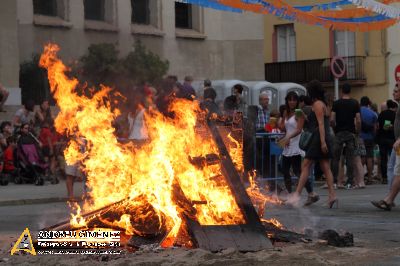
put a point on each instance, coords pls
(338, 66)
(397, 73)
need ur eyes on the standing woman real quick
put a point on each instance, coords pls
(320, 147)
(138, 132)
(293, 124)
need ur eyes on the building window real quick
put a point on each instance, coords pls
(286, 43)
(45, 7)
(345, 43)
(345, 46)
(140, 12)
(183, 15)
(94, 10)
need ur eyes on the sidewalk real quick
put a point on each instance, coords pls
(26, 194)
(31, 194)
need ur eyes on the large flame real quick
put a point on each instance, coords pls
(147, 175)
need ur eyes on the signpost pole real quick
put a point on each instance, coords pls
(336, 88)
(338, 68)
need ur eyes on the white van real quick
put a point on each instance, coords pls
(257, 87)
(285, 88)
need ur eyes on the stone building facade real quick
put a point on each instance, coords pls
(204, 43)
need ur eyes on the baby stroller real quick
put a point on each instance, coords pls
(3, 179)
(31, 168)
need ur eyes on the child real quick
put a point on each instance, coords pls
(9, 165)
(272, 125)
(48, 139)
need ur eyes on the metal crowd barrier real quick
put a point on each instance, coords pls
(266, 161)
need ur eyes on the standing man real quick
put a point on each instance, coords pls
(263, 157)
(263, 112)
(388, 202)
(206, 84)
(345, 118)
(242, 105)
(385, 135)
(369, 121)
(392, 159)
(187, 90)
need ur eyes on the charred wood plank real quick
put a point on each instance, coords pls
(215, 238)
(202, 161)
(233, 179)
(277, 234)
(65, 225)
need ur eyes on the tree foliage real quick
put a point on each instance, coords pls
(143, 65)
(101, 65)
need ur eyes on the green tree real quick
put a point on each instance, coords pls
(100, 65)
(144, 66)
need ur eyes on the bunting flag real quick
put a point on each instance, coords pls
(377, 7)
(339, 15)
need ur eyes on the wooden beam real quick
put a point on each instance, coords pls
(235, 184)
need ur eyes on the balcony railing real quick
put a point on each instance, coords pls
(307, 70)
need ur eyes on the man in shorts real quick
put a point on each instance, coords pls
(73, 172)
(388, 202)
(369, 120)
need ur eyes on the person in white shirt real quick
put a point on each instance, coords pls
(292, 155)
(138, 132)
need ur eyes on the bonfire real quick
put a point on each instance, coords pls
(154, 189)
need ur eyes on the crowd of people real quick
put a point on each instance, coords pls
(346, 134)
(30, 147)
(338, 139)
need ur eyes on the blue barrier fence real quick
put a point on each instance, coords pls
(266, 154)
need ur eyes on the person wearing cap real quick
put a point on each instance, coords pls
(207, 84)
(209, 103)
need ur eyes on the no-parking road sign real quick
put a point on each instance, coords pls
(338, 66)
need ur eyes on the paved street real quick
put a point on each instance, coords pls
(29, 193)
(373, 229)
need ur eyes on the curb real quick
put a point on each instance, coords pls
(31, 201)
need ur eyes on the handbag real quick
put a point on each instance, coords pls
(305, 140)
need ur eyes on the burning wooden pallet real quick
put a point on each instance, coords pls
(251, 236)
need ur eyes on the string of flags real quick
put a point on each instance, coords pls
(349, 15)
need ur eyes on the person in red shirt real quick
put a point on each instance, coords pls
(48, 139)
(9, 166)
(272, 125)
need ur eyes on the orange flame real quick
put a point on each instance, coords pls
(115, 171)
(275, 222)
(77, 220)
(258, 198)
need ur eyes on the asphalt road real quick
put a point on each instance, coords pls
(372, 228)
